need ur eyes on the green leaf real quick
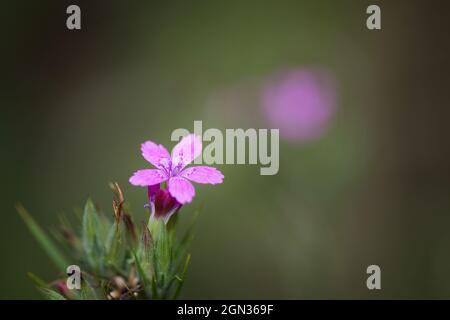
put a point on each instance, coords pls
(154, 289)
(87, 292)
(51, 295)
(114, 246)
(186, 241)
(163, 248)
(183, 277)
(46, 243)
(141, 273)
(111, 238)
(37, 281)
(146, 245)
(90, 227)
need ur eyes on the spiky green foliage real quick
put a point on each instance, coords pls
(118, 260)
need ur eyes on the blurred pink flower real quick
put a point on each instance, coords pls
(61, 286)
(171, 168)
(301, 103)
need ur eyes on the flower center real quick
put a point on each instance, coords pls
(166, 166)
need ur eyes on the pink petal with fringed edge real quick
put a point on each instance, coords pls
(189, 148)
(147, 177)
(156, 154)
(181, 189)
(203, 174)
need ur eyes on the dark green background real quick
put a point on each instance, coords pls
(75, 106)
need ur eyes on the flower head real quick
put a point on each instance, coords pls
(171, 168)
(301, 102)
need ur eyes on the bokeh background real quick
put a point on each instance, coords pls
(371, 187)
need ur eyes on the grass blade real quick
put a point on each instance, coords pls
(51, 295)
(89, 237)
(141, 273)
(183, 277)
(46, 243)
(37, 281)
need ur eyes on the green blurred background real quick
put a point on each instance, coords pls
(374, 189)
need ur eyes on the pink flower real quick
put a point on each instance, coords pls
(163, 205)
(171, 168)
(61, 286)
(301, 103)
